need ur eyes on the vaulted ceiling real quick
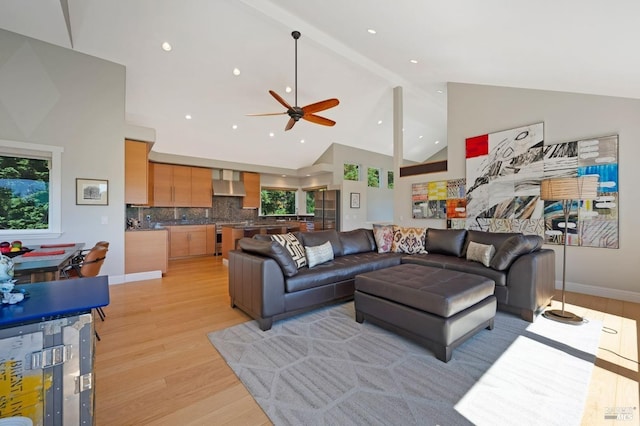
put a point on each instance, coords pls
(583, 46)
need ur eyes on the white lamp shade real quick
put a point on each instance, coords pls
(571, 188)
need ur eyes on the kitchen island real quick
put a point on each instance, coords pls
(231, 234)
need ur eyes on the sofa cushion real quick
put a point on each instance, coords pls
(480, 252)
(461, 264)
(514, 247)
(383, 235)
(495, 239)
(319, 254)
(408, 240)
(311, 239)
(293, 246)
(273, 250)
(340, 269)
(357, 241)
(446, 241)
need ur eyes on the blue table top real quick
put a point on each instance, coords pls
(53, 299)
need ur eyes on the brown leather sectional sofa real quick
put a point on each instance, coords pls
(265, 283)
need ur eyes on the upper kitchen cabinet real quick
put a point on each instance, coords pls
(252, 187)
(201, 187)
(136, 172)
(181, 186)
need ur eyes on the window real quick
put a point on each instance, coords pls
(275, 202)
(351, 171)
(390, 179)
(30, 189)
(373, 177)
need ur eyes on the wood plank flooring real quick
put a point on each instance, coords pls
(155, 365)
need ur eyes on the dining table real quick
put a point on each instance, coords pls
(44, 262)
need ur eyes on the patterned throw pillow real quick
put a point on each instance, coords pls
(319, 254)
(383, 234)
(293, 246)
(480, 253)
(409, 240)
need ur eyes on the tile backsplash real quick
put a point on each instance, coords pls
(225, 209)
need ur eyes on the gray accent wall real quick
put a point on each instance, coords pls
(476, 109)
(50, 95)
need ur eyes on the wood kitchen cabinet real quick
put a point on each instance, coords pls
(252, 189)
(181, 186)
(146, 251)
(187, 240)
(201, 187)
(136, 172)
(211, 239)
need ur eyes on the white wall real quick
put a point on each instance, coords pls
(474, 110)
(75, 101)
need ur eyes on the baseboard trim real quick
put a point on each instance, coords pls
(611, 293)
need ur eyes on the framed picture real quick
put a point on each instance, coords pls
(355, 200)
(92, 192)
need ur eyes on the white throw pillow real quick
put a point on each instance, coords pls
(480, 253)
(319, 254)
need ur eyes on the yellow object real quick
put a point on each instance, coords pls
(15, 248)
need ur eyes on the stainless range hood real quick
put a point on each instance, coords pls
(228, 184)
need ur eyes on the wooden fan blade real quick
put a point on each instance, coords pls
(318, 120)
(279, 99)
(320, 106)
(268, 113)
(290, 124)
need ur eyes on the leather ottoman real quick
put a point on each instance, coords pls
(439, 308)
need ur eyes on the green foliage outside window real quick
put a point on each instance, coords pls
(351, 171)
(277, 202)
(390, 179)
(373, 178)
(311, 202)
(24, 193)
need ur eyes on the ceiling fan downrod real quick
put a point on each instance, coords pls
(296, 36)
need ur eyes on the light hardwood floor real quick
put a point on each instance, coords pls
(155, 365)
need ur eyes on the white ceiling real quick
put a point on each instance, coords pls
(584, 46)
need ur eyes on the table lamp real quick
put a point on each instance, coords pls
(567, 190)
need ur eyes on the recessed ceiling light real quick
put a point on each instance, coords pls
(379, 121)
(236, 71)
(284, 175)
(308, 175)
(234, 127)
(271, 134)
(413, 61)
(301, 140)
(166, 46)
(371, 31)
(420, 137)
(188, 116)
(440, 91)
(437, 142)
(288, 89)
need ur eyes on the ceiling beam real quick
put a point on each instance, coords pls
(64, 4)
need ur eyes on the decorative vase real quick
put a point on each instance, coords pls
(6, 268)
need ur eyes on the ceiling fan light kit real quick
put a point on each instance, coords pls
(306, 112)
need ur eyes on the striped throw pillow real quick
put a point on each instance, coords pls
(293, 246)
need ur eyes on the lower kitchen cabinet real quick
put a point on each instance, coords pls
(187, 240)
(146, 251)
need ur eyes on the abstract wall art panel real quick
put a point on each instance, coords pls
(504, 171)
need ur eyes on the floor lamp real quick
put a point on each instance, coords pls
(567, 190)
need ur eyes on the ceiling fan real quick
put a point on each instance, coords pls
(306, 112)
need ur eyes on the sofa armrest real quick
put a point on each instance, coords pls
(531, 280)
(256, 284)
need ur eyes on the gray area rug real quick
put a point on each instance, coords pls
(323, 368)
